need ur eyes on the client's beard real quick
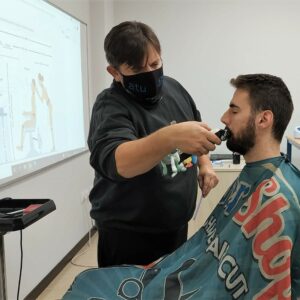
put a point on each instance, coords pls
(245, 139)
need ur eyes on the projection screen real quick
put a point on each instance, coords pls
(44, 111)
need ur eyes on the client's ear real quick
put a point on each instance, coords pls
(265, 119)
(114, 73)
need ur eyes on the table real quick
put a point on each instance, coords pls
(227, 173)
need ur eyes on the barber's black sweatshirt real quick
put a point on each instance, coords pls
(150, 202)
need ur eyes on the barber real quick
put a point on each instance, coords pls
(140, 127)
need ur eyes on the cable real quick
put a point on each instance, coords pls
(21, 264)
(91, 225)
(79, 254)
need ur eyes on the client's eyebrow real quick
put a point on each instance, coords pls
(232, 105)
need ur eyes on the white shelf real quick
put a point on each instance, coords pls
(295, 142)
(291, 141)
(228, 166)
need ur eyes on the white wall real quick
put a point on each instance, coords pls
(101, 23)
(207, 42)
(48, 240)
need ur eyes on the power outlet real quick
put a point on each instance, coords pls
(85, 195)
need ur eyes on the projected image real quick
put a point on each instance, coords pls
(46, 100)
(43, 101)
(29, 125)
(33, 126)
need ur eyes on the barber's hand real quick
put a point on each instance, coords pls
(194, 137)
(207, 179)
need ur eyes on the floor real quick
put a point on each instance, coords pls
(86, 258)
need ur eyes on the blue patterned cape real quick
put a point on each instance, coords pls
(247, 249)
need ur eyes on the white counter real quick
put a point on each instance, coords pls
(227, 173)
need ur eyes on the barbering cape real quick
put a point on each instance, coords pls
(247, 249)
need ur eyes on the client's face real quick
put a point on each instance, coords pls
(241, 122)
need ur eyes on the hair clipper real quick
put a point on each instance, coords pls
(223, 134)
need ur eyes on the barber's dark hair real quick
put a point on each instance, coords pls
(128, 43)
(268, 92)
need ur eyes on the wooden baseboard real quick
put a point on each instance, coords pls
(58, 268)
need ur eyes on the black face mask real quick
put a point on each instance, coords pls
(145, 86)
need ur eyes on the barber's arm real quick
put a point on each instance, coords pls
(137, 157)
(207, 177)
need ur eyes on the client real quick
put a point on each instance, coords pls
(249, 246)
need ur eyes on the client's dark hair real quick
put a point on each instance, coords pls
(268, 92)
